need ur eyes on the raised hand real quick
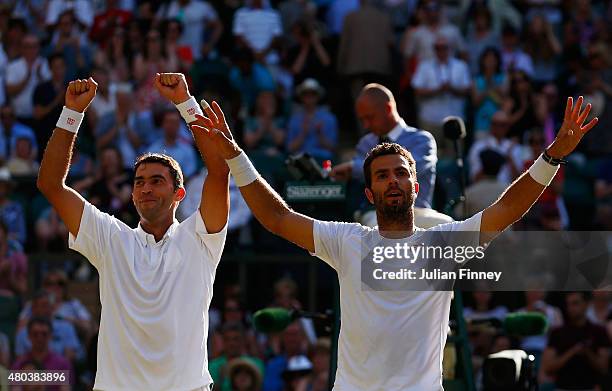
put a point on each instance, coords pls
(215, 127)
(80, 93)
(172, 86)
(572, 130)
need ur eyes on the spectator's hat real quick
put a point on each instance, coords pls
(297, 366)
(244, 364)
(309, 85)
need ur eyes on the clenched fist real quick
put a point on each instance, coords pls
(172, 86)
(80, 93)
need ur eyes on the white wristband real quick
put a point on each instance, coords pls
(70, 120)
(542, 172)
(189, 109)
(242, 169)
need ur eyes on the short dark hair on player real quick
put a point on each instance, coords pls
(382, 150)
(175, 169)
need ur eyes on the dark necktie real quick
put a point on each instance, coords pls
(384, 139)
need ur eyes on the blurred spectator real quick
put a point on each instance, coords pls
(10, 131)
(313, 129)
(421, 41)
(64, 340)
(41, 354)
(441, 85)
(577, 354)
(599, 307)
(582, 21)
(5, 352)
(249, 78)
(503, 12)
(483, 308)
(319, 355)
(297, 374)
(513, 57)
(23, 75)
(172, 145)
(603, 194)
(81, 165)
(23, 162)
(121, 129)
(285, 296)
(336, 13)
(488, 90)
(244, 375)
(110, 190)
(310, 57)
(481, 37)
(48, 100)
(172, 31)
(497, 141)
(50, 229)
(153, 59)
(105, 24)
(365, 47)
(292, 344)
(547, 111)
(11, 212)
(534, 302)
(115, 57)
(16, 30)
(293, 12)
(520, 105)
(264, 133)
(73, 45)
(377, 110)
(233, 347)
(55, 282)
(83, 11)
(257, 27)
(104, 102)
(541, 44)
(202, 27)
(13, 266)
(234, 313)
(484, 191)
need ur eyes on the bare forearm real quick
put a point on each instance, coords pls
(56, 160)
(321, 53)
(266, 204)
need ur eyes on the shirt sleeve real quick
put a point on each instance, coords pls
(330, 239)
(95, 234)
(212, 243)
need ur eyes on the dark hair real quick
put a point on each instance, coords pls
(492, 162)
(487, 51)
(382, 150)
(39, 320)
(175, 169)
(55, 56)
(166, 26)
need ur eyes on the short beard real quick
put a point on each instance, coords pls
(398, 213)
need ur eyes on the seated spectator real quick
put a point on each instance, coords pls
(481, 36)
(264, 132)
(121, 128)
(115, 57)
(577, 354)
(249, 78)
(173, 145)
(488, 90)
(83, 11)
(313, 129)
(497, 141)
(292, 343)
(72, 44)
(513, 57)
(257, 27)
(534, 302)
(234, 347)
(11, 212)
(520, 105)
(233, 313)
(10, 130)
(41, 356)
(105, 101)
(484, 191)
(23, 163)
(319, 355)
(64, 340)
(13, 265)
(110, 189)
(441, 85)
(50, 229)
(310, 57)
(297, 374)
(543, 46)
(244, 375)
(107, 21)
(482, 307)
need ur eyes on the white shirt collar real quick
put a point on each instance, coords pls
(397, 130)
(149, 240)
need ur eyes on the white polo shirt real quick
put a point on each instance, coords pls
(389, 340)
(155, 298)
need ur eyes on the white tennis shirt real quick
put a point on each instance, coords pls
(155, 298)
(389, 340)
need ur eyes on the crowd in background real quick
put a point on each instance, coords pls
(287, 74)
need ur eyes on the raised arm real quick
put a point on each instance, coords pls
(265, 203)
(524, 192)
(56, 160)
(214, 204)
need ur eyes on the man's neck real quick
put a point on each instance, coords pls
(157, 228)
(396, 229)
